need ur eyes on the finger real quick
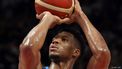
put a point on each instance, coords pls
(37, 16)
(66, 21)
(57, 19)
(76, 3)
(40, 16)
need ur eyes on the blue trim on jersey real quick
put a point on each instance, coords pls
(46, 67)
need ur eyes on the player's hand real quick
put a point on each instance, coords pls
(78, 8)
(77, 12)
(47, 16)
(55, 20)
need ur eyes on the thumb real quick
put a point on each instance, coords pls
(65, 20)
(40, 16)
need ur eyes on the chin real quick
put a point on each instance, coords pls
(54, 55)
(51, 53)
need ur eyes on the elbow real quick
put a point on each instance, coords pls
(26, 44)
(105, 53)
(24, 49)
(26, 56)
(105, 58)
(29, 44)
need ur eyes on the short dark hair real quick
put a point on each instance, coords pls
(74, 29)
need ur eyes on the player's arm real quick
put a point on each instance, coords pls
(101, 54)
(30, 55)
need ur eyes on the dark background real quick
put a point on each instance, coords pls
(17, 18)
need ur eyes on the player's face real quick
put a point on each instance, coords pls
(62, 45)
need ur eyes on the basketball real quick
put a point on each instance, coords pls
(61, 8)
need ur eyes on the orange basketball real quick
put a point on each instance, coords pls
(61, 8)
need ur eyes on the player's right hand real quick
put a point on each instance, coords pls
(55, 20)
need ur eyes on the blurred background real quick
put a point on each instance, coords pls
(17, 18)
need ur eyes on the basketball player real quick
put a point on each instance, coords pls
(64, 48)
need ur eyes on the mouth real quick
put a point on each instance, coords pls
(53, 47)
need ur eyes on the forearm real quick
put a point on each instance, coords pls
(37, 35)
(101, 54)
(29, 57)
(96, 42)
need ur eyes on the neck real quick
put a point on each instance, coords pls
(62, 64)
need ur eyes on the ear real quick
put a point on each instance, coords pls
(76, 53)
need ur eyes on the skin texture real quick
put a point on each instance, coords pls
(62, 45)
(62, 51)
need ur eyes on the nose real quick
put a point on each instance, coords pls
(56, 41)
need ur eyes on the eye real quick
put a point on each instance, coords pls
(64, 39)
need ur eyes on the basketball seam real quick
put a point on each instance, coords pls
(49, 6)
